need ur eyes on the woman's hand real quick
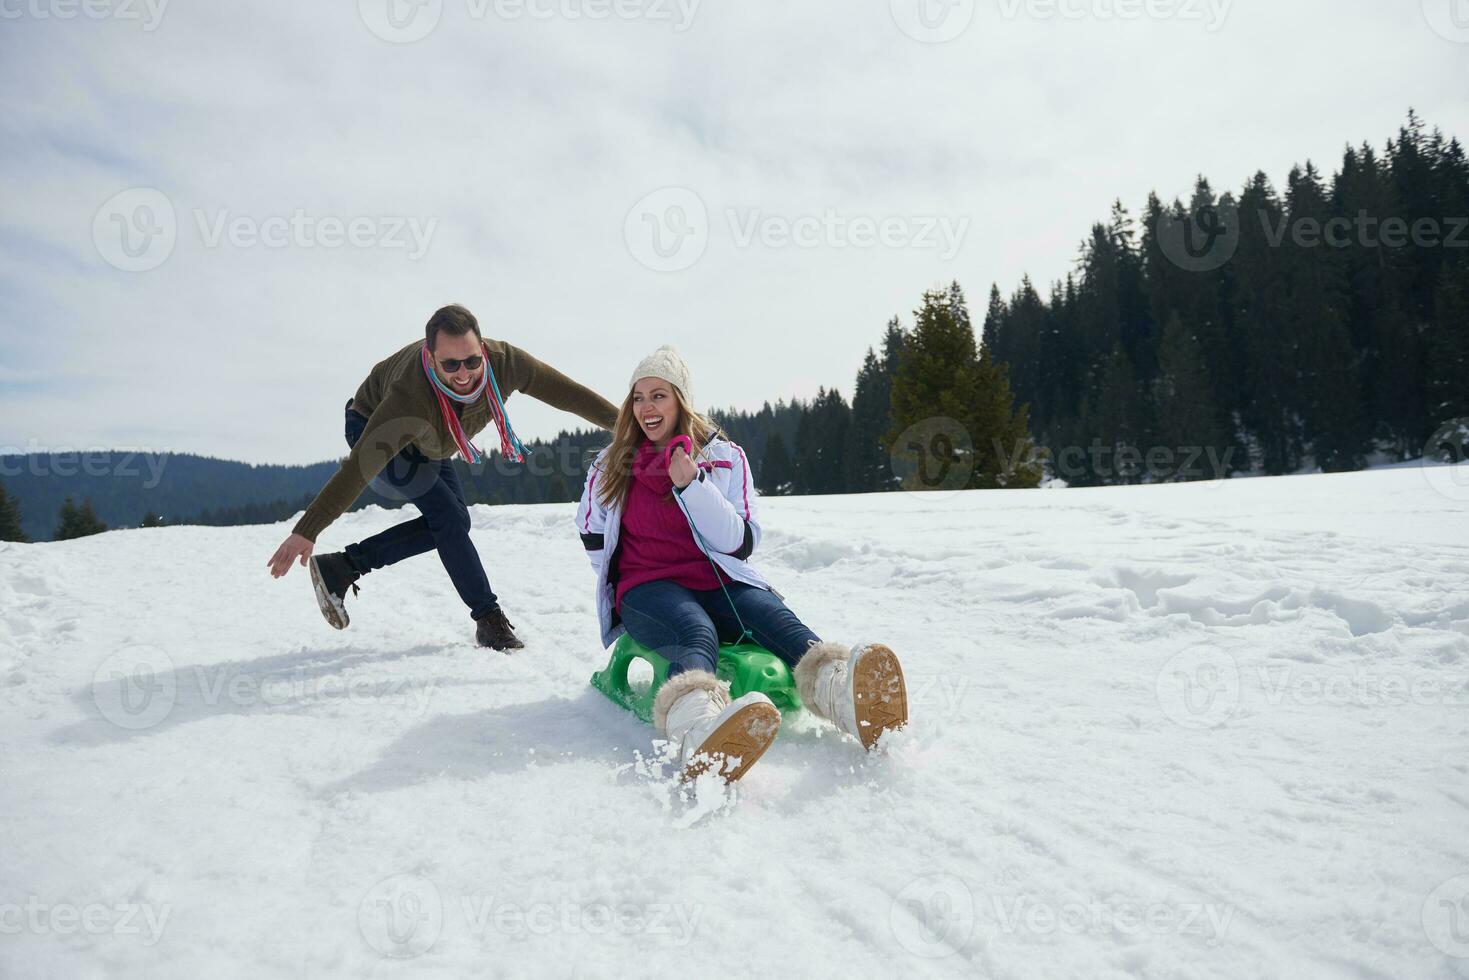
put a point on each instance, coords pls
(681, 469)
(294, 548)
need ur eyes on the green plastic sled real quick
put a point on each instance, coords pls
(746, 666)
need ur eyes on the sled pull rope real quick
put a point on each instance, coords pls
(718, 575)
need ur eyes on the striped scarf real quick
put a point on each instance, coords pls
(510, 446)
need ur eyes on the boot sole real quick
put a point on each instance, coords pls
(334, 612)
(878, 693)
(745, 735)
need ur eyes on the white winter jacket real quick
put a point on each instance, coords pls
(721, 504)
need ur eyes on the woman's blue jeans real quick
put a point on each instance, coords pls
(685, 626)
(432, 486)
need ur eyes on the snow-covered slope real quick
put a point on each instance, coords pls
(1188, 731)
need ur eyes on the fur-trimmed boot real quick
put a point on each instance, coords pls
(693, 709)
(859, 689)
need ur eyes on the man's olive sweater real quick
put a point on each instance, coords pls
(401, 408)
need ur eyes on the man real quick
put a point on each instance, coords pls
(414, 411)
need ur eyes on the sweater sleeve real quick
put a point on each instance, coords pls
(544, 383)
(591, 518)
(727, 519)
(392, 426)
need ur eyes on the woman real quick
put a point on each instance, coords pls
(669, 534)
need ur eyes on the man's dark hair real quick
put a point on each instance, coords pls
(453, 320)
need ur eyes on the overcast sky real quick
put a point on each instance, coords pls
(217, 217)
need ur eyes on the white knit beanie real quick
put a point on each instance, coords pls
(667, 364)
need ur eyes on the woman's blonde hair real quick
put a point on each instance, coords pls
(616, 478)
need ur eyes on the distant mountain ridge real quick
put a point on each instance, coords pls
(124, 486)
(186, 488)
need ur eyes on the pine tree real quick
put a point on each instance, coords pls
(821, 441)
(1190, 426)
(994, 320)
(151, 519)
(937, 377)
(1328, 395)
(1005, 455)
(942, 377)
(865, 459)
(1448, 348)
(77, 521)
(10, 527)
(776, 473)
(1260, 300)
(1119, 422)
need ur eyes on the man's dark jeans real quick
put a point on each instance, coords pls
(433, 487)
(685, 626)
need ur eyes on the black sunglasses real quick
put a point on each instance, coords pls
(452, 364)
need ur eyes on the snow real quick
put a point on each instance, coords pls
(1213, 730)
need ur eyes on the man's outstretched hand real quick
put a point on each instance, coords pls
(294, 549)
